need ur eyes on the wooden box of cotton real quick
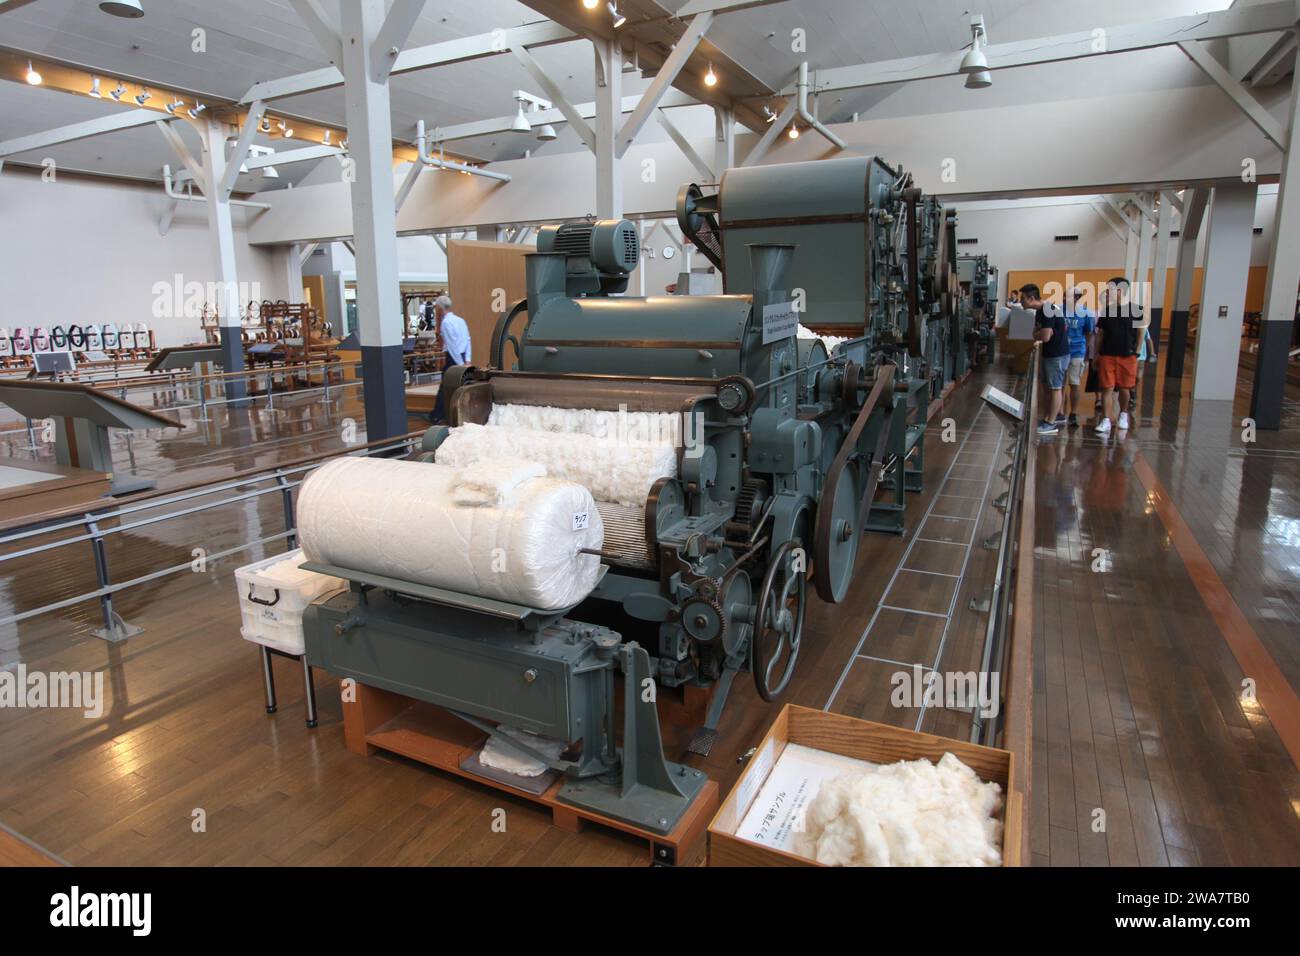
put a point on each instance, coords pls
(823, 789)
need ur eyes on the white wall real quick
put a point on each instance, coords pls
(81, 250)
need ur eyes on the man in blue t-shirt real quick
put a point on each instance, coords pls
(1081, 328)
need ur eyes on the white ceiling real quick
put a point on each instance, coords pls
(252, 40)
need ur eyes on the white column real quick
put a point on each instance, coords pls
(1159, 281)
(221, 237)
(293, 273)
(374, 222)
(1189, 231)
(1223, 295)
(609, 116)
(724, 141)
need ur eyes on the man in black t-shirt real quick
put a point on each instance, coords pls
(1117, 334)
(1050, 329)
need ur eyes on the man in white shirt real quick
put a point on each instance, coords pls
(454, 332)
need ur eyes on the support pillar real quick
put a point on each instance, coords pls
(1160, 277)
(221, 236)
(1223, 298)
(1277, 329)
(293, 272)
(374, 222)
(724, 141)
(609, 115)
(1189, 231)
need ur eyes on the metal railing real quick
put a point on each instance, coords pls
(180, 503)
(997, 633)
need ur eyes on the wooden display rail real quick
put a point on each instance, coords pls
(382, 720)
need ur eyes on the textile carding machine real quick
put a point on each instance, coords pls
(768, 483)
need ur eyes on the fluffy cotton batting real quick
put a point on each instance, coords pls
(911, 813)
(511, 536)
(612, 470)
(625, 427)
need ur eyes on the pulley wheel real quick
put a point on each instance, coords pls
(837, 538)
(778, 625)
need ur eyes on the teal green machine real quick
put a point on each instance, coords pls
(872, 262)
(785, 445)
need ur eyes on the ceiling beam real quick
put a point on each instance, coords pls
(252, 120)
(666, 76)
(322, 27)
(181, 150)
(501, 124)
(684, 145)
(1237, 92)
(459, 50)
(393, 35)
(1238, 21)
(82, 130)
(774, 129)
(1121, 234)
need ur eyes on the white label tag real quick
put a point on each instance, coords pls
(580, 521)
(779, 321)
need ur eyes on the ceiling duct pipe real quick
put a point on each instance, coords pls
(805, 114)
(438, 163)
(170, 189)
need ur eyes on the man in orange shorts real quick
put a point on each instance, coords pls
(1116, 354)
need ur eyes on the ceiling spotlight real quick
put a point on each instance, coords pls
(33, 77)
(195, 110)
(979, 80)
(174, 106)
(131, 9)
(710, 78)
(521, 124)
(265, 125)
(547, 133)
(286, 130)
(769, 114)
(142, 96)
(591, 4)
(619, 19)
(975, 62)
(118, 93)
(325, 140)
(94, 88)
(794, 132)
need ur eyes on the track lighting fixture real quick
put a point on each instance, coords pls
(325, 140)
(143, 96)
(94, 88)
(710, 78)
(619, 19)
(265, 125)
(118, 93)
(521, 124)
(33, 77)
(591, 4)
(174, 106)
(129, 9)
(286, 130)
(195, 110)
(975, 64)
(769, 114)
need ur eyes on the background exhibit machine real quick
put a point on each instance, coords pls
(708, 577)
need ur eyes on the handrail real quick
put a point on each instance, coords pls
(1007, 579)
(115, 628)
(144, 500)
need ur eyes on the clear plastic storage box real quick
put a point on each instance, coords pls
(273, 593)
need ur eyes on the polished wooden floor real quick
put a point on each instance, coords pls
(184, 738)
(1164, 558)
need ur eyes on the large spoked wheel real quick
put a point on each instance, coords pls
(778, 626)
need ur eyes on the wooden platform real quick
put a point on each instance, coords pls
(379, 719)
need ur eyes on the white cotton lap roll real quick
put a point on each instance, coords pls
(400, 519)
(611, 470)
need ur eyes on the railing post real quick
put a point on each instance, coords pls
(270, 386)
(286, 493)
(115, 629)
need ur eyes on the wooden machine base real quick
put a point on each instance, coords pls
(383, 720)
